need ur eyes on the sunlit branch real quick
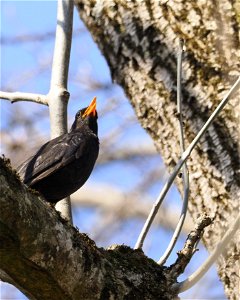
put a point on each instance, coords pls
(20, 96)
(58, 95)
(189, 248)
(179, 226)
(181, 161)
(196, 276)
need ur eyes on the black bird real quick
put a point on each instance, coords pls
(62, 165)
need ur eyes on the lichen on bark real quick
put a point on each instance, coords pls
(139, 40)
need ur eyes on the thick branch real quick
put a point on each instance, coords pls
(50, 259)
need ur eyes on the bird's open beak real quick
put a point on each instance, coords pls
(91, 108)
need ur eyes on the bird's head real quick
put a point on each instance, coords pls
(88, 116)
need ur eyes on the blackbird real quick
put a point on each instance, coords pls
(62, 165)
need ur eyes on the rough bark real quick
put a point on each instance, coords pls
(47, 258)
(139, 40)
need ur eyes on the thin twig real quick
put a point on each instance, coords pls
(179, 226)
(34, 37)
(181, 161)
(189, 248)
(196, 276)
(20, 96)
(58, 95)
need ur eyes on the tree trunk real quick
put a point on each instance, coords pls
(139, 39)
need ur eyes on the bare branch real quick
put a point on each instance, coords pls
(6, 278)
(185, 255)
(181, 161)
(57, 262)
(196, 276)
(34, 37)
(20, 96)
(58, 95)
(185, 170)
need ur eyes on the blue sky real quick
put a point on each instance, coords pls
(20, 60)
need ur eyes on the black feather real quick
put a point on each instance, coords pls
(62, 165)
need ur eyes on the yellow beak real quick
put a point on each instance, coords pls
(91, 108)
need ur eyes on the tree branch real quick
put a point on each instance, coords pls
(183, 214)
(58, 95)
(50, 259)
(139, 41)
(185, 255)
(33, 37)
(220, 248)
(20, 96)
(185, 155)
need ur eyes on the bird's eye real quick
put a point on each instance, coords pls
(78, 114)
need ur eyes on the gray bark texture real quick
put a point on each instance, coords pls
(46, 258)
(139, 40)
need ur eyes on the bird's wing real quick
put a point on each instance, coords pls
(52, 156)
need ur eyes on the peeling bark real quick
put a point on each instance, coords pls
(139, 39)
